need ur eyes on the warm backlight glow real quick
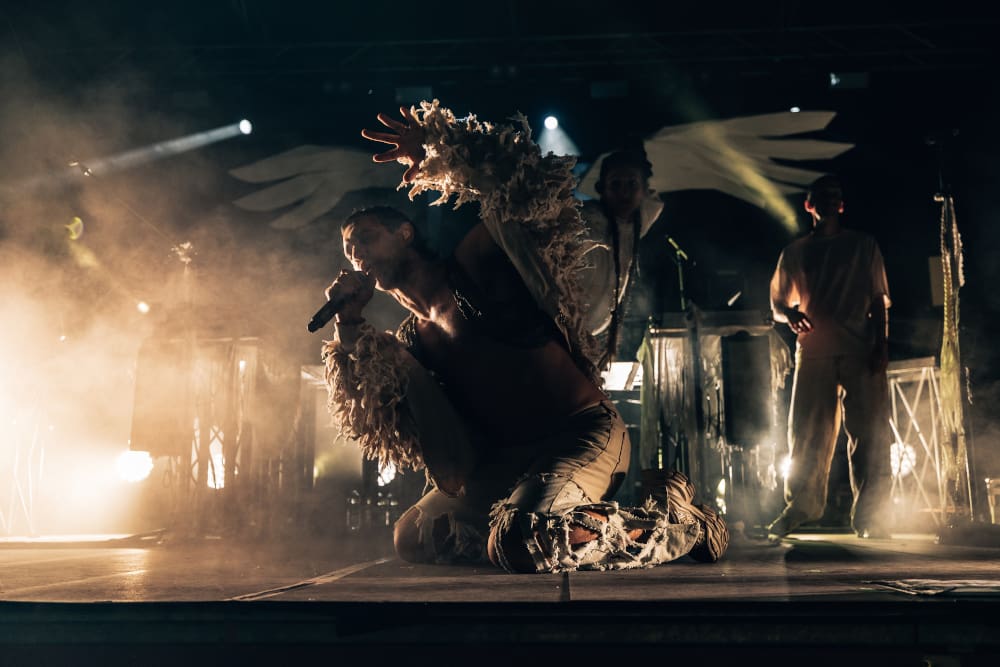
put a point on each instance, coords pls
(386, 474)
(217, 466)
(134, 466)
(904, 459)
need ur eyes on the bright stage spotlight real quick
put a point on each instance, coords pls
(246, 127)
(134, 466)
(553, 139)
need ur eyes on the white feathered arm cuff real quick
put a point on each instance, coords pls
(366, 387)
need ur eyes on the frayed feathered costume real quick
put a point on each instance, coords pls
(366, 386)
(527, 204)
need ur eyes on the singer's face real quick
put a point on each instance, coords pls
(374, 249)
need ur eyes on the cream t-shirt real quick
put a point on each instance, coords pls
(834, 280)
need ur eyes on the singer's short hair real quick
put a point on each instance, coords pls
(392, 219)
(387, 216)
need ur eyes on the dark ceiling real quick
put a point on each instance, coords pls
(615, 67)
(292, 64)
(219, 43)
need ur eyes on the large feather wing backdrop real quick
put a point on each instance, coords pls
(735, 156)
(315, 180)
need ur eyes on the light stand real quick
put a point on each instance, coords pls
(679, 258)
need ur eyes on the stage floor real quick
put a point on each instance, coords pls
(823, 595)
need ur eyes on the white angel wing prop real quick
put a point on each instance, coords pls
(736, 156)
(312, 178)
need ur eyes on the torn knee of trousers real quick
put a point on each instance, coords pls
(546, 538)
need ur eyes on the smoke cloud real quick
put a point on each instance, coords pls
(82, 257)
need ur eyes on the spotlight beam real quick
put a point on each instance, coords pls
(126, 160)
(158, 151)
(557, 141)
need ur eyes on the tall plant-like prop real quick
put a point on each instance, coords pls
(953, 397)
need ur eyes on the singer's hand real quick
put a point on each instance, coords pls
(356, 288)
(408, 139)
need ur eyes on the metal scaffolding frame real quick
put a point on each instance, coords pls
(926, 477)
(22, 478)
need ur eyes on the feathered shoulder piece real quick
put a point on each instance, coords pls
(527, 203)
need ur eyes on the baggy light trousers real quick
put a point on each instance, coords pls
(543, 482)
(827, 391)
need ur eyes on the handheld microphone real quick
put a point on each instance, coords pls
(337, 298)
(327, 312)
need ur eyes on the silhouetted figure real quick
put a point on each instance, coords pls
(830, 288)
